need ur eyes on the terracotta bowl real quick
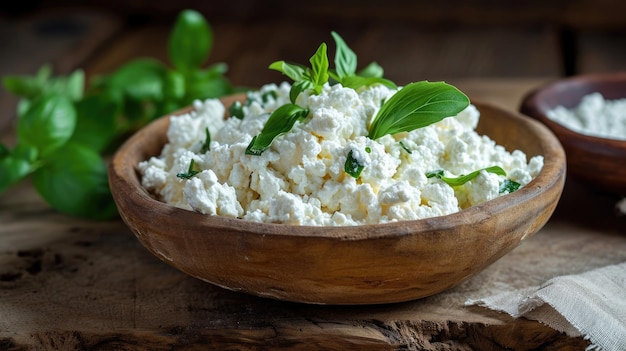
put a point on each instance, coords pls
(367, 264)
(597, 161)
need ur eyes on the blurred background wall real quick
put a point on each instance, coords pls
(412, 40)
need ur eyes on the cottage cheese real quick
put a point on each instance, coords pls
(301, 180)
(594, 116)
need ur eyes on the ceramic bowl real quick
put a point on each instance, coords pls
(599, 162)
(368, 264)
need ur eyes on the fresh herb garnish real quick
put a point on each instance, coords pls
(206, 146)
(417, 105)
(345, 71)
(64, 128)
(319, 68)
(280, 122)
(313, 78)
(265, 97)
(464, 178)
(236, 110)
(352, 166)
(405, 148)
(509, 186)
(346, 65)
(191, 171)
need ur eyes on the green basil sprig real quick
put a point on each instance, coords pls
(312, 78)
(346, 65)
(74, 181)
(319, 74)
(64, 128)
(190, 41)
(507, 186)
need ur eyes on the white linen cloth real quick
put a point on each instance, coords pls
(591, 304)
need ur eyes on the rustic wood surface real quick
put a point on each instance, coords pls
(71, 284)
(78, 285)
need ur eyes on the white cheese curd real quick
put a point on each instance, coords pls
(621, 206)
(300, 179)
(594, 116)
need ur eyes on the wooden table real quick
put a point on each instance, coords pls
(72, 284)
(67, 283)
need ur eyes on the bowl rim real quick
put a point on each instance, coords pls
(125, 178)
(532, 105)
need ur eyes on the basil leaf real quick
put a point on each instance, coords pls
(26, 152)
(96, 125)
(465, 178)
(352, 166)
(12, 170)
(74, 181)
(372, 70)
(27, 87)
(205, 84)
(280, 122)
(4, 151)
(190, 41)
(141, 79)
(174, 85)
(435, 174)
(72, 87)
(509, 186)
(33, 87)
(297, 88)
(236, 110)
(293, 71)
(265, 97)
(47, 124)
(345, 58)
(319, 68)
(356, 82)
(417, 105)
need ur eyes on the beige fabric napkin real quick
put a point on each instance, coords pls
(591, 304)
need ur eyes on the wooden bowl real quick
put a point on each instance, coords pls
(367, 264)
(599, 162)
